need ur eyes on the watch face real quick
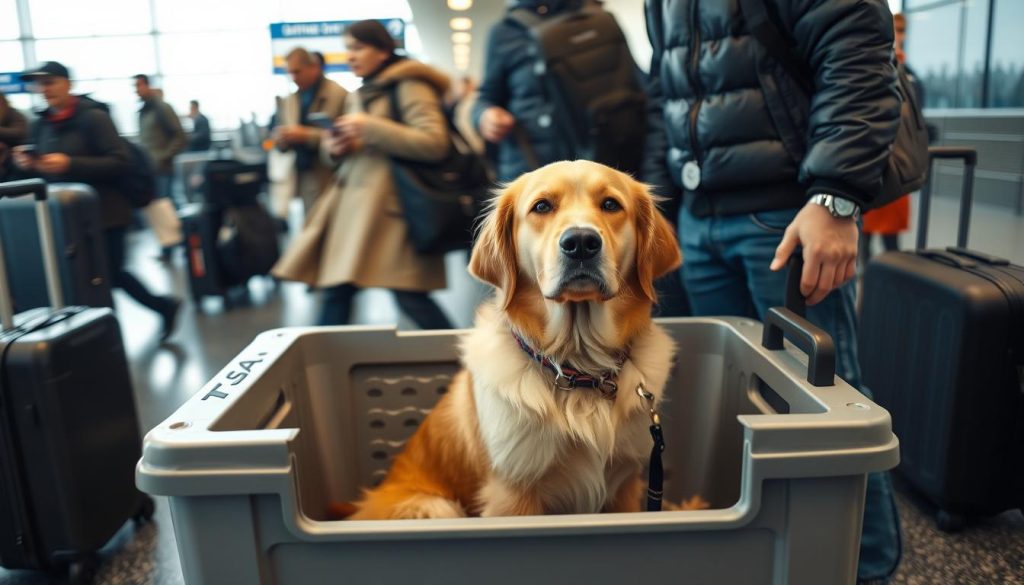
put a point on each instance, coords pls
(843, 207)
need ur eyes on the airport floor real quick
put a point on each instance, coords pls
(988, 552)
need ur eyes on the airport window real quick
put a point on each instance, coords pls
(203, 53)
(99, 58)
(9, 28)
(11, 58)
(932, 55)
(218, 52)
(204, 15)
(967, 52)
(61, 18)
(1006, 74)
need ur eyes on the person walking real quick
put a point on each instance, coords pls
(356, 236)
(76, 141)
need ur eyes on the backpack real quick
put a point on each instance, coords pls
(138, 185)
(907, 169)
(590, 79)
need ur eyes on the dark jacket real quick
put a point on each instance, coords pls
(13, 127)
(511, 83)
(13, 131)
(761, 143)
(99, 156)
(200, 139)
(161, 134)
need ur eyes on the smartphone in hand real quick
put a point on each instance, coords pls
(320, 120)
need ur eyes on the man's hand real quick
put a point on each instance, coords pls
(53, 164)
(830, 250)
(293, 134)
(495, 124)
(22, 159)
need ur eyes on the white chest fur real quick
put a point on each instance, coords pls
(575, 448)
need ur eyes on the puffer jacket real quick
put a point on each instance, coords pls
(511, 83)
(718, 100)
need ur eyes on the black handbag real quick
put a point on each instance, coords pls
(440, 200)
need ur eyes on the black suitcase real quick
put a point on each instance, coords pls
(942, 349)
(231, 183)
(200, 226)
(69, 434)
(80, 244)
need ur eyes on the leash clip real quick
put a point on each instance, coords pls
(647, 399)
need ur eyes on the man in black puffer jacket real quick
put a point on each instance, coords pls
(511, 93)
(761, 168)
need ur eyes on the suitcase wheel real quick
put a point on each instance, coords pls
(146, 511)
(83, 570)
(950, 522)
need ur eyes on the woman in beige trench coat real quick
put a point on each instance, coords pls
(356, 236)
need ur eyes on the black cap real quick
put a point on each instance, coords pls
(48, 68)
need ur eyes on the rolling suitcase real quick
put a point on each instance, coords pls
(69, 434)
(80, 245)
(942, 349)
(199, 225)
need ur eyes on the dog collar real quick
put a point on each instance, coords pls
(569, 378)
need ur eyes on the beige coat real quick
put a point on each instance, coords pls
(329, 100)
(356, 232)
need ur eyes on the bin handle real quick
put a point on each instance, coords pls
(781, 322)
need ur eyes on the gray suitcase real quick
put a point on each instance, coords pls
(79, 242)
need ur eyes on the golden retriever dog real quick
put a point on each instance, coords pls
(573, 250)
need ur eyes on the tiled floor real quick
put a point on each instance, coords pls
(988, 553)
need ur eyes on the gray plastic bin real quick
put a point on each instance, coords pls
(307, 416)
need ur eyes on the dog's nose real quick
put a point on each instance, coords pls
(580, 243)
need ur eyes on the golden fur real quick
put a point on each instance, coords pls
(503, 441)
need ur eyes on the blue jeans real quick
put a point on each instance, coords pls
(725, 272)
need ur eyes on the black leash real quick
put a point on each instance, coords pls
(656, 472)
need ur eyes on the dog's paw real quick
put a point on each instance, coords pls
(694, 503)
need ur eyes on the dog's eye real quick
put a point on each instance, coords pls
(610, 204)
(542, 206)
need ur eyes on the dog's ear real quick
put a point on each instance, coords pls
(494, 254)
(657, 251)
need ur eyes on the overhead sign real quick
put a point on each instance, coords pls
(324, 37)
(12, 83)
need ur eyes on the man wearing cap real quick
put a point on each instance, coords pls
(74, 140)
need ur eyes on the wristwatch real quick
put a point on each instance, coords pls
(837, 206)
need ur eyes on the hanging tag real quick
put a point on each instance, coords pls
(691, 175)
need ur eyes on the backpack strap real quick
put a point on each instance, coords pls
(764, 28)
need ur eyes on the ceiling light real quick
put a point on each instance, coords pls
(461, 38)
(461, 23)
(460, 4)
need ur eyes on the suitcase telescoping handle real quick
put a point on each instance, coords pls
(970, 158)
(789, 321)
(37, 188)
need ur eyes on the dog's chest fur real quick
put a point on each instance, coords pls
(575, 448)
